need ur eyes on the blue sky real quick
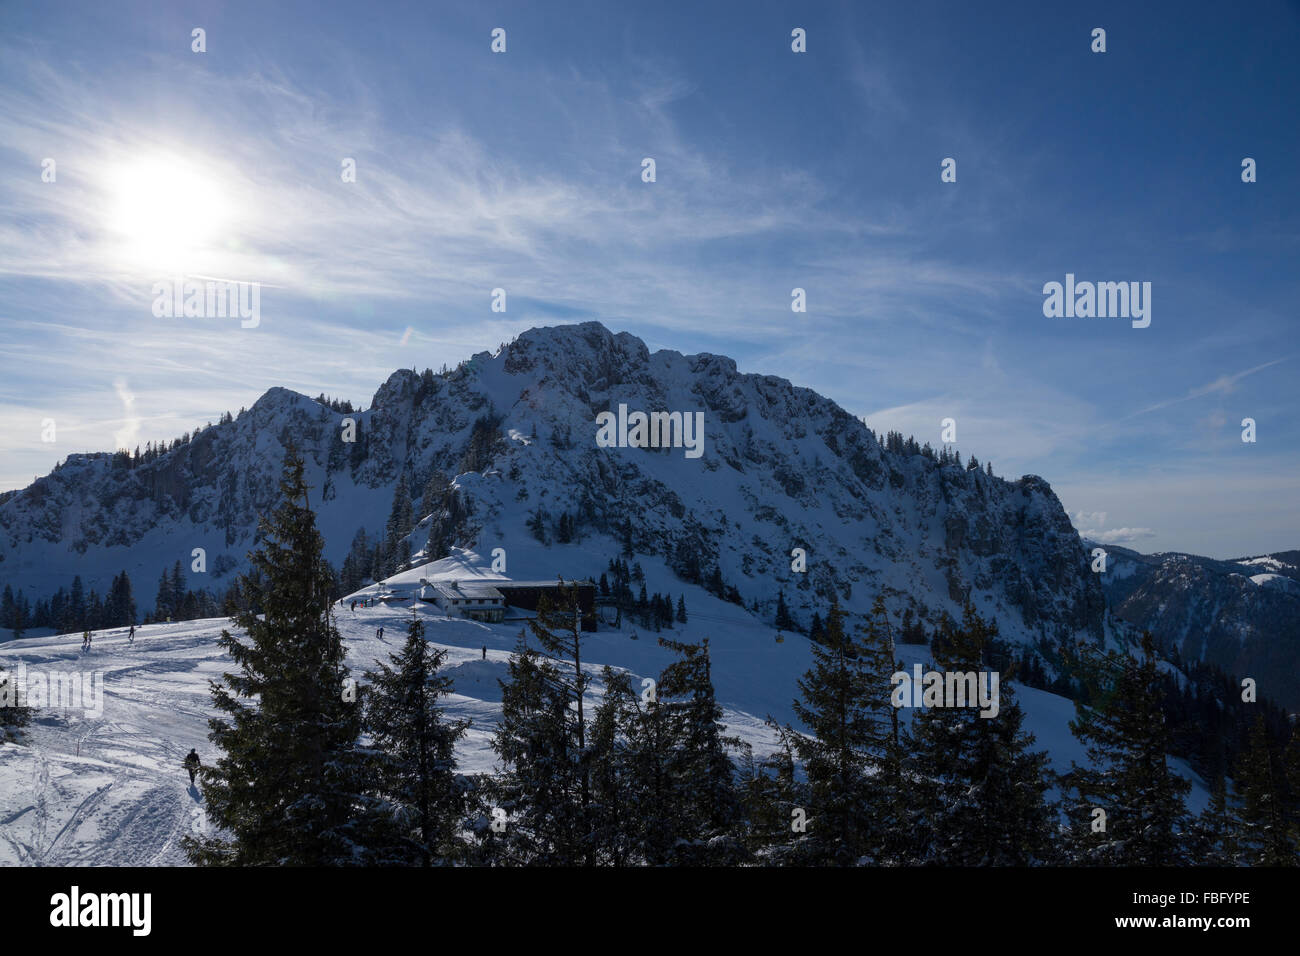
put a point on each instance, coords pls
(775, 170)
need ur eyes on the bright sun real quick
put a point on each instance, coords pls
(165, 211)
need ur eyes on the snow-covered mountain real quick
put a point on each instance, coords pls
(781, 468)
(1242, 615)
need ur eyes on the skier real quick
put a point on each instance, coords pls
(380, 633)
(484, 652)
(354, 607)
(130, 638)
(192, 764)
(85, 640)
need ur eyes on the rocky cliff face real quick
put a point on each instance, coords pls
(782, 468)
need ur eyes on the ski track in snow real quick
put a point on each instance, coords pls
(110, 790)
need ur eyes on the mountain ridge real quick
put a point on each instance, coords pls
(783, 468)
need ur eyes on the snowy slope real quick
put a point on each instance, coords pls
(110, 790)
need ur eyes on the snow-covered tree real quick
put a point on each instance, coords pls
(291, 787)
(1127, 775)
(416, 764)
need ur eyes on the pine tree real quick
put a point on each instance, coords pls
(715, 585)
(435, 492)
(842, 704)
(291, 785)
(783, 622)
(893, 812)
(1259, 823)
(401, 518)
(122, 601)
(771, 800)
(700, 764)
(1211, 839)
(356, 566)
(14, 712)
(1291, 761)
(7, 607)
(537, 791)
(537, 525)
(417, 767)
(545, 738)
(614, 822)
(77, 605)
(681, 608)
(982, 789)
(1127, 775)
(177, 585)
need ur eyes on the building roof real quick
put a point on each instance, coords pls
(545, 583)
(467, 590)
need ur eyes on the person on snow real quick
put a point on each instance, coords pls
(192, 764)
(354, 607)
(85, 640)
(380, 633)
(130, 638)
(484, 652)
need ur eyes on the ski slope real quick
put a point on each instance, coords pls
(109, 790)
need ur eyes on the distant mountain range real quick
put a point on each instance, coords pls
(1242, 615)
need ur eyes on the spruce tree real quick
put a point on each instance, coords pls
(178, 585)
(537, 792)
(893, 812)
(837, 705)
(77, 607)
(982, 788)
(122, 601)
(1127, 775)
(701, 761)
(659, 795)
(783, 621)
(416, 769)
(290, 787)
(1211, 840)
(1291, 763)
(401, 517)
(771, 801)
(163, 601)
(1259, 823)
(614, 823)
(435, 491)
(14, 712)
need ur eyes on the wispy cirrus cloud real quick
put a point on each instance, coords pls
(1223, 385)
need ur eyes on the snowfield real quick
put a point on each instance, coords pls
(83, 790)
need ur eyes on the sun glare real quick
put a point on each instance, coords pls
(165, 212)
